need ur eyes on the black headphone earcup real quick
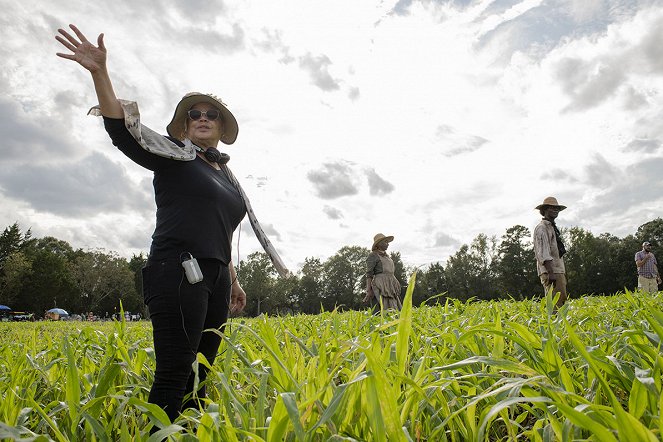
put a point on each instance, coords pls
(215, 156)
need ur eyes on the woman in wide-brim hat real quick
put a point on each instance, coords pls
(382, 287)
(189, 282)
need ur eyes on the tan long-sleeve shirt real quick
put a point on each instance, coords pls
(545, 248)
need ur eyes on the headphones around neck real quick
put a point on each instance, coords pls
(213, 155)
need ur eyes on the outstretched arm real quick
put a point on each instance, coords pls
(92, 58)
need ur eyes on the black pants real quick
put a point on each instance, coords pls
(180, 311)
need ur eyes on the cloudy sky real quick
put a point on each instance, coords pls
(433, 121)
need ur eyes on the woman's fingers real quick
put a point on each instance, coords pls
(79, 34)
(65, 43)
(71, 40)
(71, 43)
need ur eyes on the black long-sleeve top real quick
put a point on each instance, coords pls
(198, 208)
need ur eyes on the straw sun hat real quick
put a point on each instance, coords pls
(379, 237)
(550, 201)
(176, 126)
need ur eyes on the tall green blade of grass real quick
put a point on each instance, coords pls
(291, 406)
(637, 400)
(52, 424)
(383, 397)
(97, 427)
(267, 338)
(278, 423)
(629, 428)
(375, 416)
(72, 387)
(498, 339)
(335, 402)
(501, 407)
(655, 319)
(579, 417)
(153, 412)
(405, 327)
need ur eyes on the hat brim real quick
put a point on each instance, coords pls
(541, 206)
(387, 238)
(176, 126)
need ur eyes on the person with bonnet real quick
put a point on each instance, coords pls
(189, 282)
(382, 287)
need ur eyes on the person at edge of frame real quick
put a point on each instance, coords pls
(648, 276)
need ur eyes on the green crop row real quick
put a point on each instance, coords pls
(470, 371)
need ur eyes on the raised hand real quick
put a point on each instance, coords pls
(91, 57)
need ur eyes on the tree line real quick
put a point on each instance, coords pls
(37, 274)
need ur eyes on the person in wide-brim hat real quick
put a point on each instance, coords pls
(549, 250)
(199, 204)
(177, 126)
(550, 201)
(382, 287)
(377, 239)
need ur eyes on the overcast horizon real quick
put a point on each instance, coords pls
(432, 121)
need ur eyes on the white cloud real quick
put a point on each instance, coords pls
(434, 121)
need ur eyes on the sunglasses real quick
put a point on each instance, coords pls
(210, 115)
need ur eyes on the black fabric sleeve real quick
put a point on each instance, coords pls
(123, 140)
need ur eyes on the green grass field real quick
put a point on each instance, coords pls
(461, 372)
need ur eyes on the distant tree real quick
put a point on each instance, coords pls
(257, 278)
(460, 271)
(591, 265)
(102, 279)
(311, 286)
(420, 292)
(55, 246)
(14, 265)
(431, 281)
(651, 231)
(285, 297)
(16, 269)
(136, 264)
(50, 284)
(484, 252)
(515, 266)
(12, 240)
(37, 274)
(436, 282)
(470, 271)
(615, 276)
(344, 278)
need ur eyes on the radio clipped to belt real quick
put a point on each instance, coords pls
(192, 270)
